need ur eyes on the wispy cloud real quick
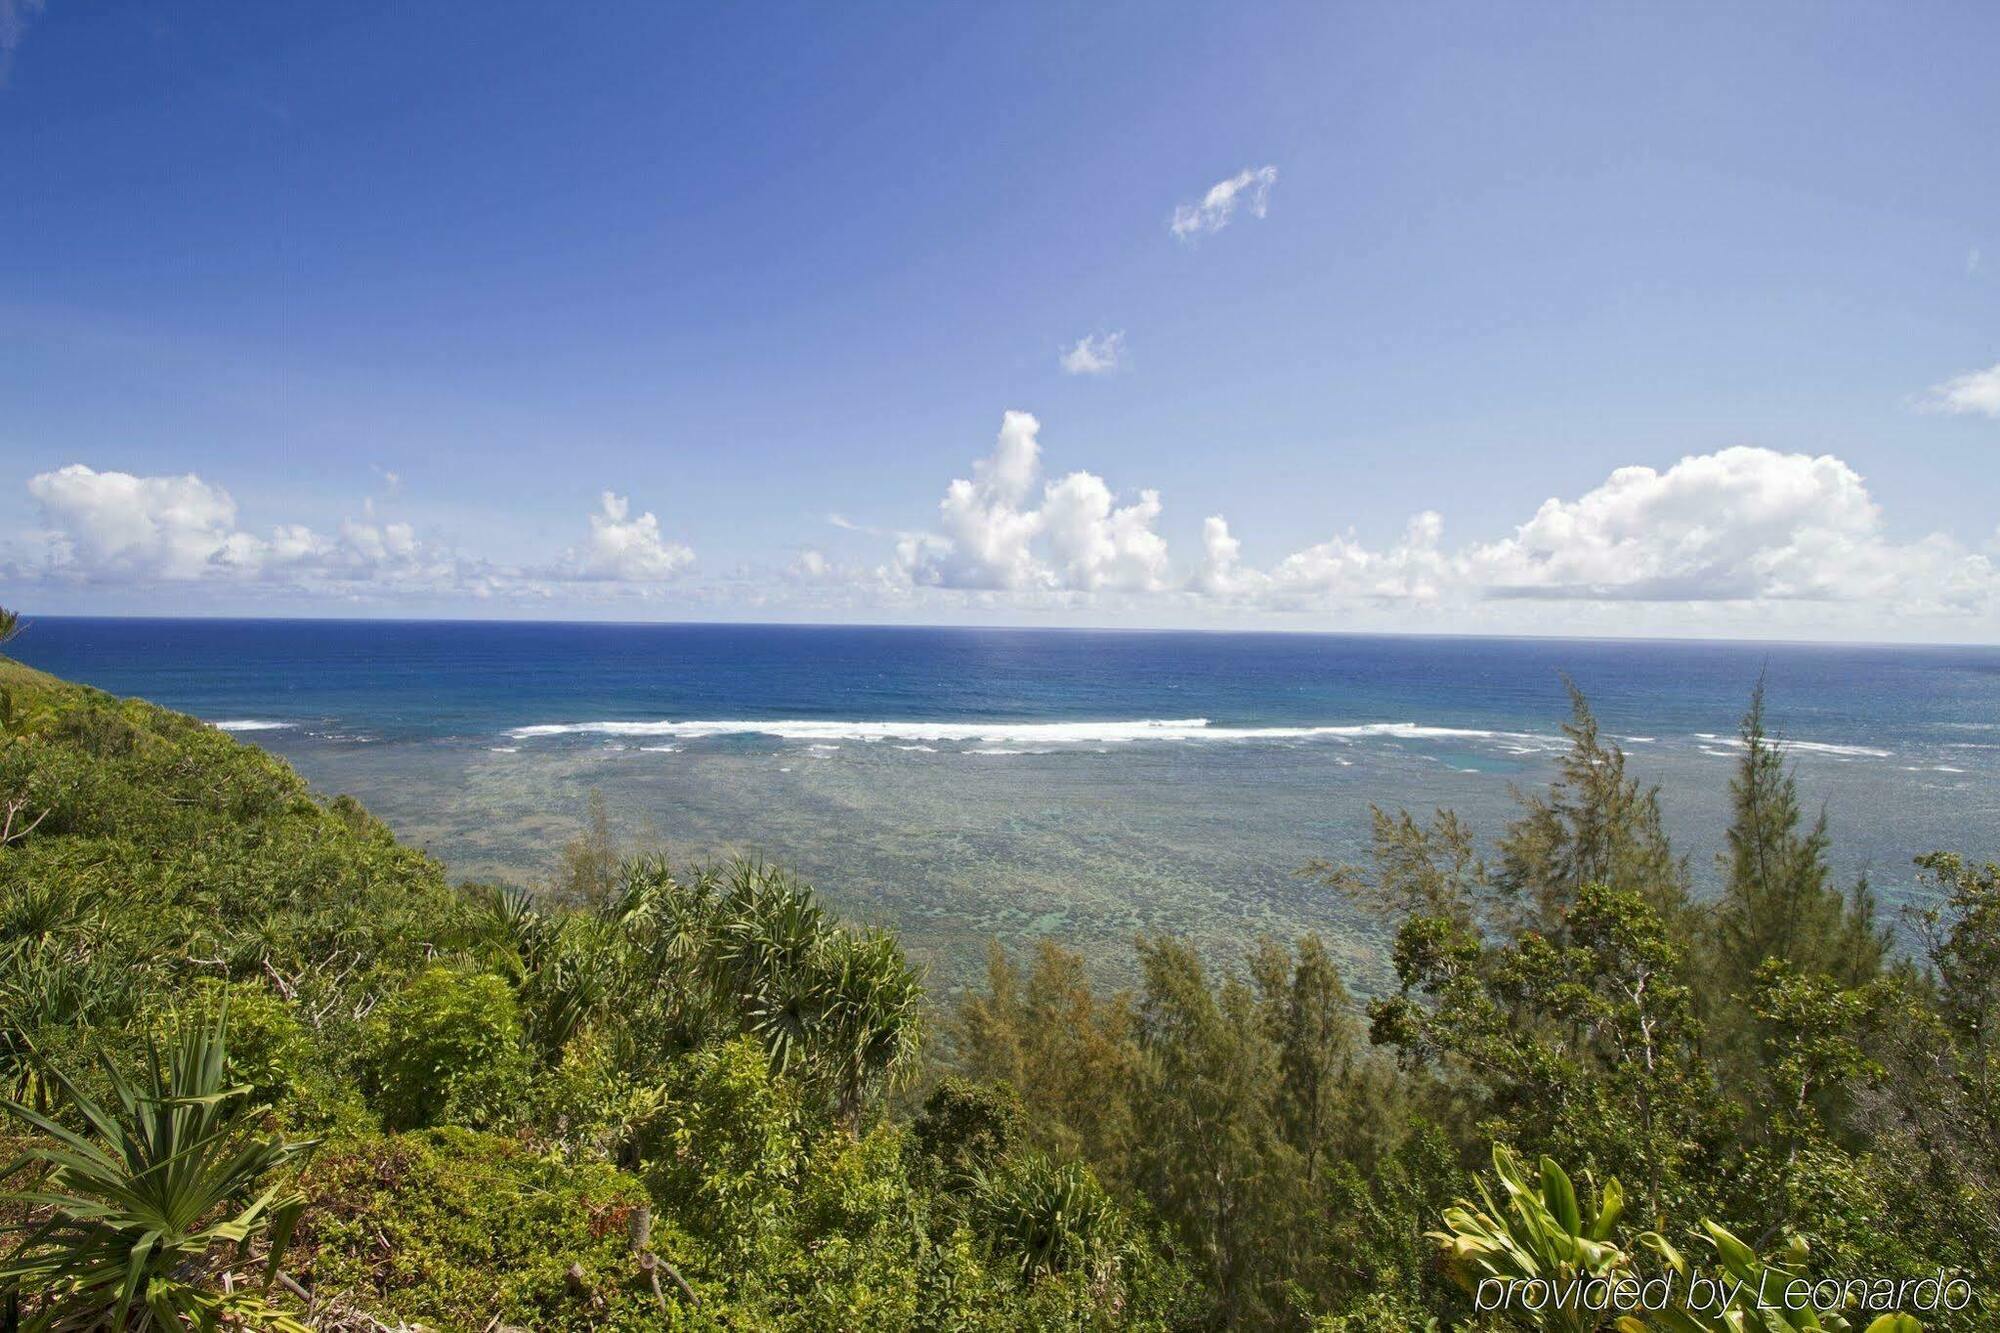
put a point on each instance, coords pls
(1095, 354)
(1976, 392)
(1250, 187)
(14, 18)
(846, 524)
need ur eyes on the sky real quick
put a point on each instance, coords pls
(1675, 319)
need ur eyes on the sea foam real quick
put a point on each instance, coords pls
(252, 724)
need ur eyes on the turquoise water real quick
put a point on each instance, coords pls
(965, 784)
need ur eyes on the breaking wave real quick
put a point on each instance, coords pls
(1803, 747)
(824, 731)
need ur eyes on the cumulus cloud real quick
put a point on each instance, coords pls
(1750, 539)
(1411, 571)
(1095, 354)
(113, 523)
(1221, 573)
(1740, 527)
(1976, 391)
(117, 527)
(1249, 187)
(623, 549)
(993, 537)
(1342, 569)
(1739, 524)
(114, 527)
(1094, 543)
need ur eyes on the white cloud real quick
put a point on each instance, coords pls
(1095, 354)
(1077, 539)
(1744, 540)
(1739, 528)
(1221, 574)
(623, 549)
(1739, 524)
(113, 523)
(117, 528)
(1976, 391)
(1412, 572)
(1215, 209)
(987, 535)
(1743, 525)
(811, 566)
(1095, 544)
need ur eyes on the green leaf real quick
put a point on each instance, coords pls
(1560, 1196)
(1741, 1261)
(1609, 1209)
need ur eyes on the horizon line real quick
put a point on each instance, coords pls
(29, 620)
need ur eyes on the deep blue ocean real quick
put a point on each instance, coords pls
(963, 784)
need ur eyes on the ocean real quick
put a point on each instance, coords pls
(966, 785)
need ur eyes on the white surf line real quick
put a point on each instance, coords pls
(825, 731)
(1806, 747)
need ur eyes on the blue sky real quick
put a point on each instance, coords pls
(365, 309)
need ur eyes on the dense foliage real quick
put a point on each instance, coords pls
(266, 1067)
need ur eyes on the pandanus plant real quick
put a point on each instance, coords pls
(1042, 1217)
(838, 1008)
(144, 1216)
(874, 1016)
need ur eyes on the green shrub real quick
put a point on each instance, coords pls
(726, 1147)
(273, 1051)
(590, 1104)
(456, 1229)
(448, 1049)
(962, 1128)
